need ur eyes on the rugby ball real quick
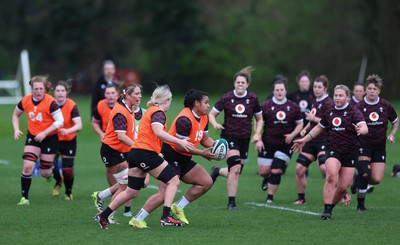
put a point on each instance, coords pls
(220, 148)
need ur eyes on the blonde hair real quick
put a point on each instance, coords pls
(344, 88)
(245, 72)
(160, 95)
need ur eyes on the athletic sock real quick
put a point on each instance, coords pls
(127, 209)
(328, 208)
(56, 174)
(26, 181)
(183, 202)
(302, 196)
(270, 197)
(107, 212)
(141, 215)
(104, 194)
(166, 212)
(231, 200)
(68, 179)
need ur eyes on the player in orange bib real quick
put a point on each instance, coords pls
(67, 139)
(145, 157)
(44, 118)
(101, 115)
(190, 124)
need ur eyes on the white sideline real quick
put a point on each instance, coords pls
(5, 162)
(282, 208)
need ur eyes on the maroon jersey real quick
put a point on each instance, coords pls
(280, 118)
(339, 123)
(318, 109)
(377, 115)
(353, 101)
(238, 113)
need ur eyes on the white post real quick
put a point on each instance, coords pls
(26, 71)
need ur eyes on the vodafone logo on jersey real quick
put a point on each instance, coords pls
(303, 104)
(280, 115)
(313, 111)
(336, 121)
(239, 108)
(374, 116)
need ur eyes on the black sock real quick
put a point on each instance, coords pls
(106, 213)
(166, 212)
(302, 196)
(328, 208)
(270, 197)
(56, 174)
(127, 209)
(26, 181)
(231, 200)
(68, 182)
(360, 201)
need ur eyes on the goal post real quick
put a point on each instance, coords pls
(12, 91)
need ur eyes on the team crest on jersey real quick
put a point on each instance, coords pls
(272, 108)
(247, 101)
(313, 111)
(381, 109)
(280, 115)
(232, 100)
(239, 108)
(373, 116)
(303, 104)
(337, 121)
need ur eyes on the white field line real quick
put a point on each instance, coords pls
(282, 208)
(155, 187)
(4, 162)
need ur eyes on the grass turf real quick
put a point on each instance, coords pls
(51, 220)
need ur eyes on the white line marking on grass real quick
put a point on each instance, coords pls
(155, 187)
(283, 208)
(5, 162)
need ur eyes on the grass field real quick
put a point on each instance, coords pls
(50, 220)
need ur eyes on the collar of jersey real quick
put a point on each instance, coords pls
(322, 98)
(240, 96)
(372, 103)
(279, 102)
(342, 107)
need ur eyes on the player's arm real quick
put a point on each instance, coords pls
(58, 123)
(295, 132)
(76, 119)
(305, 129)
(298, 144)
(120, 125)
(258, 127)
(312, 118)
(212, 119)
(15, 121)
(395, 127)
(97, 127)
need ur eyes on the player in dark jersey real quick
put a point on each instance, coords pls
(282, 123)
(44, 118)
(358, 93)
(67, 140)
(190, 124)
(303, 96)
(315, 149)
(372, 151)
(239, 107)
(344, 123)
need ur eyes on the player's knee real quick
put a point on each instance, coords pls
(45, 164)
(167, 174)
(278, 166)
(68, 162)
(364, 169)
(29, 156)
(300, 170)
(233, 161)
(122, 177)
(275, 179)
(135, 183)
(321, 159)
(303, 160)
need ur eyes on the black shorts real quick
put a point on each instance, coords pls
(181, 164)
(111, 157)
(376, 154)
(242, 145)
(313, 148)
(270, 150)
(49, 145)
(348, 160)
(144, 159)
(67, 148)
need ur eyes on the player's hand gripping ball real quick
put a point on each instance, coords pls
(220, 148)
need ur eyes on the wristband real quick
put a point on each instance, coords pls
(310, 136)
